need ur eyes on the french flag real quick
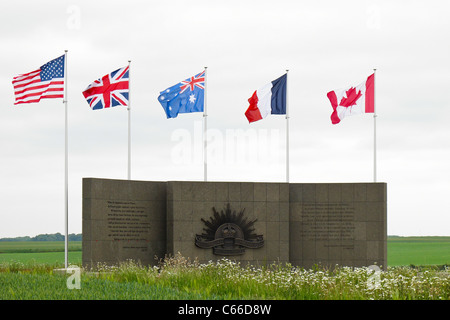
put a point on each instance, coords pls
(269, 99)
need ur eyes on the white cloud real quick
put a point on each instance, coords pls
(326, 45)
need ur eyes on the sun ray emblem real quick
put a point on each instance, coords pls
(229, 233)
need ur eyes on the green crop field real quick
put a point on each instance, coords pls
(402, 251)
(405, 251)
(37, 246)
(50, 252)
(53, 258)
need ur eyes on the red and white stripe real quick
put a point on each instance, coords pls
(353, 100)
(29, 88)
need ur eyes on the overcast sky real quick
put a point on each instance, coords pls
(326, 45)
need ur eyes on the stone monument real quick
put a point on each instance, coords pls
(258, 223)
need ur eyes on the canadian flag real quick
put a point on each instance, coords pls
(353, 100)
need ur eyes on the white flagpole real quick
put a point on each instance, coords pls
(129, 119)
(374, 131)
(66, 188)
(287, 128)
(205, 115)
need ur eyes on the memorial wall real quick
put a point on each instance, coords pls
(123, 220)
(256, 223)
(338, 224)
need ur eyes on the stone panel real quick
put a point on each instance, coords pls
(123, 220)
(340, 223)
(256, 201)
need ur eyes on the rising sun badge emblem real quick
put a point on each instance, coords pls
(229, 233)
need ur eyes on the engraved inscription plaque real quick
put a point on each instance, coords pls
(127, 221)
(329, 221)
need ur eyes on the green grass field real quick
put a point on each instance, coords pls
(402, 251)
(37, 246)
(49, 252)
(30, 274)
(179, 278)
(54, 258)
(46, 286)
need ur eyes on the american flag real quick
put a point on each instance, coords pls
(46, 82)
(109, 91)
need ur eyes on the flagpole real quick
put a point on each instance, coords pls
(66, 188)
(129, 119)
(205, 115)
(287, 128)
(374, 130)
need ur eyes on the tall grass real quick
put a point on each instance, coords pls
(45, 286)
(226, 279)
(179, 278)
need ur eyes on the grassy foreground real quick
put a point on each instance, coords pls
(27, 272)
(179, 278)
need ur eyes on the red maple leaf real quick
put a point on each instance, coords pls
(352, 97)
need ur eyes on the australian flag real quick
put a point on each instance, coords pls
(109, 91)
(184, 97)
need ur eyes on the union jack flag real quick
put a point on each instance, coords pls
(195, 81)
(110, 91)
